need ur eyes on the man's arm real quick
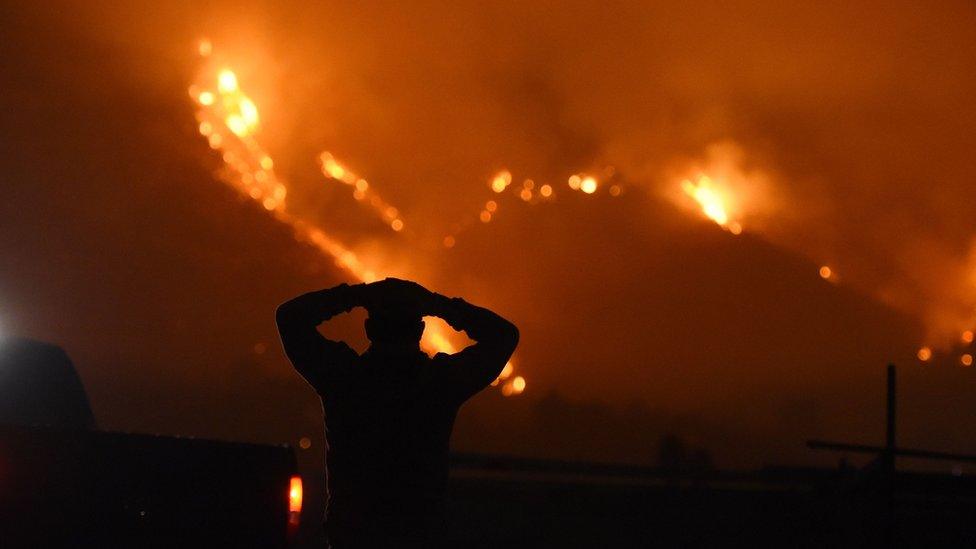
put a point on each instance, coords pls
(317, 359)
(475, 367)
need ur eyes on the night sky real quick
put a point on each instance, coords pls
(848, 131)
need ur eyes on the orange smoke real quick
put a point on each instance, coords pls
(229, 120)
(713, 202)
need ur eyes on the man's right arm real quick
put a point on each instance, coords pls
(317, 359)
(475, 367)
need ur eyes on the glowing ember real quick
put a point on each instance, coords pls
(825, 272)
(501, 181)
(966, 359)
(588, 185)
(362, 190)
(518, 384)
(925, 354)
(514, 387)
(712, 203)
(967, 336)
(227, 81)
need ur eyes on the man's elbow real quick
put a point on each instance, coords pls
(285, 315)
(510, 337)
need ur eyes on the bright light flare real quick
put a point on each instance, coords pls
(588, 185)
(295, 496)
(514, 387)
(501, 181)
(227, 81)
(713, 204)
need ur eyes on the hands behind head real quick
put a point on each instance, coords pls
(396, 294)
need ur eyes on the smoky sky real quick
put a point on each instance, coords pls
(120, 243)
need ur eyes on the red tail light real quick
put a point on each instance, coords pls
(295, 500)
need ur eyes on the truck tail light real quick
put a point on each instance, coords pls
(295, 500)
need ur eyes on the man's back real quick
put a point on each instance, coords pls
(389, 424)
(389, 412)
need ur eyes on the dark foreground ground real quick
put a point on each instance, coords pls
(524, 503)
(75, 488)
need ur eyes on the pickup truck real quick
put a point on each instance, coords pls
(63, 483)
(73, 488)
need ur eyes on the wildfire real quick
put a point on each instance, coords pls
(229, 120)
(362, 190)
(501, 181)
(712, 203)
(582, 182)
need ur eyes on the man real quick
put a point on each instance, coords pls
(389, 412)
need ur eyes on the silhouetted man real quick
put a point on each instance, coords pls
(389, 412)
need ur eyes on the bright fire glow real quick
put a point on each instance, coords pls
(713, 204)
(588, 185)
(362, 190)
(229, 120)
(514, 387)
(501, 181)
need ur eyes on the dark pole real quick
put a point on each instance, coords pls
(888, 475)
(890, 416)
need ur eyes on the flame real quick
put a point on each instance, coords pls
(712, 203)
(588, 185)
(229, 120)
(362, 190)
(501, 181)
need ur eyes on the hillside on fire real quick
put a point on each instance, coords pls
(709, 228)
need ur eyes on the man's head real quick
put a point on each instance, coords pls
(395, 327)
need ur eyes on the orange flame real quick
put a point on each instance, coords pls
(363, 191)
(713, 204)
(229, 120)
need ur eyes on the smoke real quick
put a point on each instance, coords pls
(841, 131)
